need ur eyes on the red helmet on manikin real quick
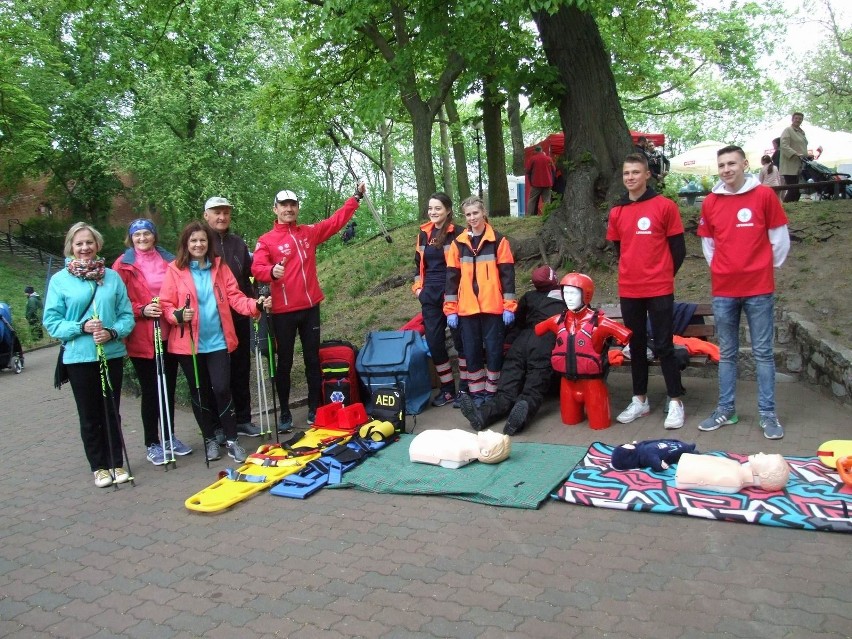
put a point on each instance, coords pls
(581, 281)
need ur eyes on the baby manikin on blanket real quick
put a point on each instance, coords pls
(456, 448)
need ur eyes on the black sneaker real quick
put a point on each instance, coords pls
(443, 398)
(312, 417)
(285, 424)
(470, 411)
(249, 429)
(517, 418)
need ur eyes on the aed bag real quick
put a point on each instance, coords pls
(396, 358)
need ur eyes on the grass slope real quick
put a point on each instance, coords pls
(15, 274)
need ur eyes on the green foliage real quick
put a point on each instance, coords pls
(826, 80)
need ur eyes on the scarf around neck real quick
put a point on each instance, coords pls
(87, 269)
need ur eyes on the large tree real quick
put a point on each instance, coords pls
(591, 69)
(596, 135)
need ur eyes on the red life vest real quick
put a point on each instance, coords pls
(574, 355)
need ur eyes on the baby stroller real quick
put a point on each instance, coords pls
(11, 353)
(813, 170)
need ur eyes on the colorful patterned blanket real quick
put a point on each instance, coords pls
(814, 498)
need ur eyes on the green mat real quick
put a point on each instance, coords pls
(524, 480)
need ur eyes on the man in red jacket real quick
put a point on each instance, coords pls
(285, 257)
(540, 173)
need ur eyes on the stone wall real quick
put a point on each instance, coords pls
(817, 361)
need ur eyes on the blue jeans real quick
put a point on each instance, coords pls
(760, 314)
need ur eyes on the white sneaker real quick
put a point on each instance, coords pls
(675, 417)
(635, 410)
(102, 478)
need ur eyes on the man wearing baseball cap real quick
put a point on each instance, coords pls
(527, 372)
(285, 257)
(233, 250)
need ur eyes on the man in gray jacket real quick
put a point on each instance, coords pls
(233, 250)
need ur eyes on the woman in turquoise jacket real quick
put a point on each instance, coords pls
(86, 307)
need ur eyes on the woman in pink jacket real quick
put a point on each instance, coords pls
(198, 292)
(142, 268)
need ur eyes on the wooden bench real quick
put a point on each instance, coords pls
(839, 186)
(703, 331)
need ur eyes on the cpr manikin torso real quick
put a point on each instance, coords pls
(455, 448)
(707, 472)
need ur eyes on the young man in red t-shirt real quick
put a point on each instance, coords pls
(744, 235)
(648, 235)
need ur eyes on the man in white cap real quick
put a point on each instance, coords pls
(233, 250)
(285, 257)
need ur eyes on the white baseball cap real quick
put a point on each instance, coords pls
(284, 196)
(213, 202)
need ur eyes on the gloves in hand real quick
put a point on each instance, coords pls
(508, 317)
(453, 320)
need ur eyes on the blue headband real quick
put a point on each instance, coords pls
(141, 225)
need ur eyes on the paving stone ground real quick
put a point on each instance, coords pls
(79, 562)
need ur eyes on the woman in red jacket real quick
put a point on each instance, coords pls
(142, 268)
(198, 292)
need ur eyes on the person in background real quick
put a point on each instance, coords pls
(794, 149)
(233, 250)
(744, 236)
(480, 297)
(776, 152)
(197, 296)
(647, 232)
(33, 312)
(540, 173)
(286, 257)
(430, 279)
(87, 307)
(142, 268)
(769, 175)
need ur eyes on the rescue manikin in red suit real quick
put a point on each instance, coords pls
(580, 353)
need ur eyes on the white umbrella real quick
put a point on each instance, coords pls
(699, 160)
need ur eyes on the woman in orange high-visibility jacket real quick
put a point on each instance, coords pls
(480, 297)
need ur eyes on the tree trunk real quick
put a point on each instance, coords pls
(446, 166)
(513, 111)
(596, 134)
(424, 174)
(387, 169)
(495, 150)
(459, 153)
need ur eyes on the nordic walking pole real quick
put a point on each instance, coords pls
(271, 352)
(263, 403)
(197, 380)
(107, 393)
(166, 426)
(262, 399)
(367, 199)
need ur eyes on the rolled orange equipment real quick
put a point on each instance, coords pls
(844, 469)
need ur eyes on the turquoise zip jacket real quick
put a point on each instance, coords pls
(64, 313)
